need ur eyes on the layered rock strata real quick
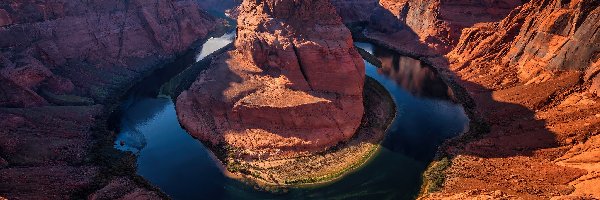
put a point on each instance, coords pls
(532, 76)
(293, 84)
(292, 87)
(423, 26)
(62, 64)
(89, 50)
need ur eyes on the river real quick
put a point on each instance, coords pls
(183, 168)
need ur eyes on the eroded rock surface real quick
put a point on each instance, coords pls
(290, 90)
(56, 54)
(293, 84)
(422, 24)
(532, 77)
(91, 49)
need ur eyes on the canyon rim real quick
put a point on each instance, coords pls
(290, 102)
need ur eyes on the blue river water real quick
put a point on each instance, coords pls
(183, 168)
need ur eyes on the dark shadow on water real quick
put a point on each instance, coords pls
(427, 116)
(510, 129)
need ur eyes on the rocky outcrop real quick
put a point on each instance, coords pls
(534, 41)
(436, 24)
(80, 53)
(440, 23)
(91, 49)
(532, 76)
(289, 105)
(292, 86)
(355, 11)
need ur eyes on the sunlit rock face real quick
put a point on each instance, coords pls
(292, 86)
(435, 23)
(92, 49)
(534, 42)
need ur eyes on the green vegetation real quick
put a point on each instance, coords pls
(434, 177)
(332, 176)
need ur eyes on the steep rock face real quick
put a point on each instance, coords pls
(439, 23)
(92, 49)
(533, 77)
(534, 41)
(72, 50)
(353, 11)
(436, 23)
(293, 85)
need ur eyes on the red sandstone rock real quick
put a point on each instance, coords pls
(87, 48)
(47, 182)
(14, 95)
(4, 18)
(123, 188)
(535, 40)
(437, 24)
(98, 46)
(532, 76)
(292, 85)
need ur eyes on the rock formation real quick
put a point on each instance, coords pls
(533, 77)
(435, 23)
(293, 84)
(529, 77)
(92, 49)
(57, 53)
(536, 40)
(285, 106)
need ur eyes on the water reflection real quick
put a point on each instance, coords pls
(183, 168)
(213, 44)
(415, 77)
(425, 115)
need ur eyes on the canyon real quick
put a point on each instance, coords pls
(288, 104)
(291, 89)
(526, 74)
(64, 64)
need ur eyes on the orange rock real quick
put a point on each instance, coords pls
(293, 84)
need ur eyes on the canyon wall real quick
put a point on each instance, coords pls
(436, 23)
(62, 65)
(534, 78)
(51, 48)
(529, 71)
(534, 43)
(292, 86)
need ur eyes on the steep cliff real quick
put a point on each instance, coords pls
(292, 87)
(62, 64)
(533, 76)
(535, 41)
(437, 24)
(293, 83)
(92, 49)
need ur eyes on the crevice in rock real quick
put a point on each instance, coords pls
(302, 70)
(122, 27)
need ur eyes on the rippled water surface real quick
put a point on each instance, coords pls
(184, 169)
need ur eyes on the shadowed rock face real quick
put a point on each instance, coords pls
(293, 84)
(436, 23)
(533, 75)
(73, 50)
(90, 49)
